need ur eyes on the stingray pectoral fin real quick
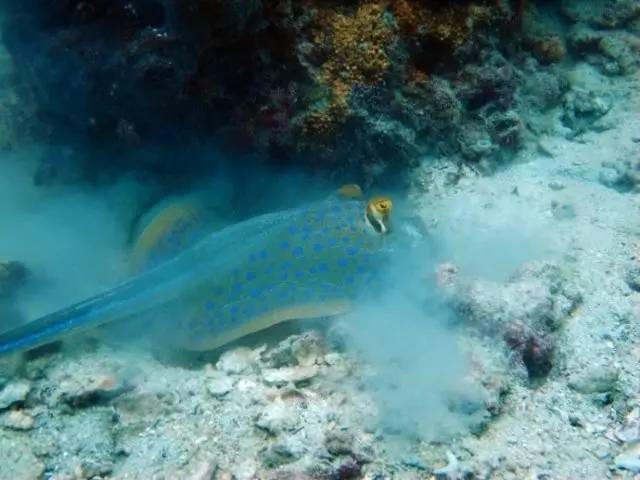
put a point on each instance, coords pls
(165, 231)
(274, 317)
(350, 191)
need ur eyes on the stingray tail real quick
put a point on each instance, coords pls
(124, 301)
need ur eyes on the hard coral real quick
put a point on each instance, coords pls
(450, 24)
(357, 55)
(549, 49)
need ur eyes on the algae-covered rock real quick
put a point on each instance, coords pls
(14, 392)
(594, 379)
(583, 108)
(18, 459)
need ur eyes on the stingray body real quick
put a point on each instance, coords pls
(310, 261)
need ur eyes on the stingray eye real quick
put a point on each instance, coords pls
(383, 206)
(378, 214)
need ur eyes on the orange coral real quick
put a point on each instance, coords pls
(450, 24)
(357, 54)
(416, 76)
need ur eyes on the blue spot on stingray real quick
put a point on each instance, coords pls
(297, 251)
(332, 242)
(237, 287)
(349, 280)
(306, 228)
(313, 270)
(284, 244)
(305, 237)
(285, 266)
(323, 267)
(299, 274)
(352, 251)
(263, 255)
(209, 305)
(256, 292)
(293, 229)
(317, 247)
(233, 310)
(250, 276)
(284, 276)
(361, 269)
(346, 239)
(343, 262)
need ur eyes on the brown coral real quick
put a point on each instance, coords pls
(549, 49)
(357, 54)
(448, 24)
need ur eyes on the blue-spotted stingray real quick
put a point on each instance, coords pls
(307, 262)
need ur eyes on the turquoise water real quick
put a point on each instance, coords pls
(186, 291)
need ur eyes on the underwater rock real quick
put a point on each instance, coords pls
(219, 385)
(87, 436)
(238, 360)
(14, 392)
(544, 89)
(629, 459)
(18, 459)
(622, 175)
(633, 278)
(278, 417)
(562, 211)
(203, 471)
(605, 14)
(280, 454)
(582, 109)
(339, 443)
(550, 49)
(505, 128)
(594, 379)
(525, 312)
(305, 349)
(285, 375)
(612, 52)
(493, 82)
(89, 389)
(17, 420)
(347, 470)
(453, 470)
(629, 432)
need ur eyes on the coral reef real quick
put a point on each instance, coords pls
(356, 55)
(365, 87)
(361, 89)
